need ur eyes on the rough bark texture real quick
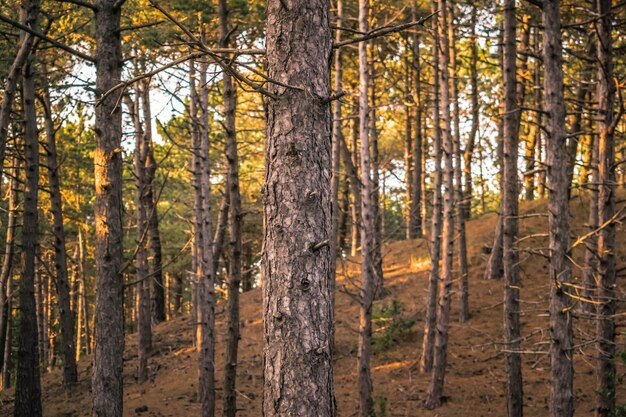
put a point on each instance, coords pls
(562, 393)
(428, 342)
(28, 16)
(440, 357)
(296, 264)
(107, 370)
(605, 333)
(512, 328)
(206, 278)
(337, 139)
(70, 373)
(27, 387)
(235, 226)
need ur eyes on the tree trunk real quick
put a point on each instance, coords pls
(458, 176)
(29, 11)
(605, 331)
(206, 283)
(512, 114)
(7, 265)
(428, 342)
(235, 225)
(435, 389)
(70, 373)
(475, 109)
(297, 299)
(562, 393)
(153, 238)
(28, 388)
(415, 210)
(408, 144)
(107, 376)
(337, 139)
(355, 183)
(377, 239)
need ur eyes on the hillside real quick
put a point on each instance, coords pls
(475, 377)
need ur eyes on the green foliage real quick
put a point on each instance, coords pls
(390, 326)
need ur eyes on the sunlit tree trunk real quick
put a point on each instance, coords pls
(428, 341)
(605, 332)
(440, 357)
(107, 372)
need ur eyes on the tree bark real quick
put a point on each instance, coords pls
(377, 238)
(235, 225)
(107, 384)
(415, 217)
(440, 359)
(428, 342)
(70, 373)
(296, 265)
(562, 393)
(154, 254)
(458, 176)
(475, 109)
(605, 331)
(28, 388)
(29, 10)
(337, 139)
(7, 265)
(512, 114)
(206, 284)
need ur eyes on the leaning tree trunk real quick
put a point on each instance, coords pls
(7, 264)
(235, 225)
(512, 326)
(458, 177)
(428, 341)
(562, 392)
(70, 373)
(605, 332)
(107, 384)
(28, 388)
(440, 357)
(296, 265)
(29, 10)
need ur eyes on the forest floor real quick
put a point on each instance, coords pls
(475, 376)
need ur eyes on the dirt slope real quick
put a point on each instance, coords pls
(475, 378)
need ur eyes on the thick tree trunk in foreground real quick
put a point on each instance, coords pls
(512, 327)
(440, 357)
(107, 383)
(28, 388)
(297, 299)
(235, 226)
(605, 333)
(428, 342)
(70, 373)
(562, 392)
